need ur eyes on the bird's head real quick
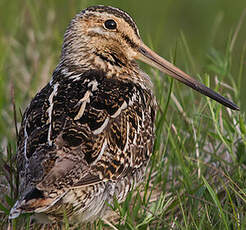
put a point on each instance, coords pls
(103, 37)
(107, 38)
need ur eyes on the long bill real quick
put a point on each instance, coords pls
(146, 55)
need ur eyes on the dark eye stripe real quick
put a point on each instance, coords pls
(129, 41)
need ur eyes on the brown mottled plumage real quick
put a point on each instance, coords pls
(87, 136)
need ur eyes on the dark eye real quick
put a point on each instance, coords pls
(110, 24)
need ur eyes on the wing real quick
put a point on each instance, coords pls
(83, 129)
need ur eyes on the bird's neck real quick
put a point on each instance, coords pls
(111, 65)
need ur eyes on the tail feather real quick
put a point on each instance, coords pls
(33, 201)
(15, 211)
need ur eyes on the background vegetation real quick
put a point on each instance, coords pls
(196, 178)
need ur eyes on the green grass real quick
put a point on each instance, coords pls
(196, 177)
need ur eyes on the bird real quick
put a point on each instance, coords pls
(86, 138)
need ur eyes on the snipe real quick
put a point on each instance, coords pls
(87, 136)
